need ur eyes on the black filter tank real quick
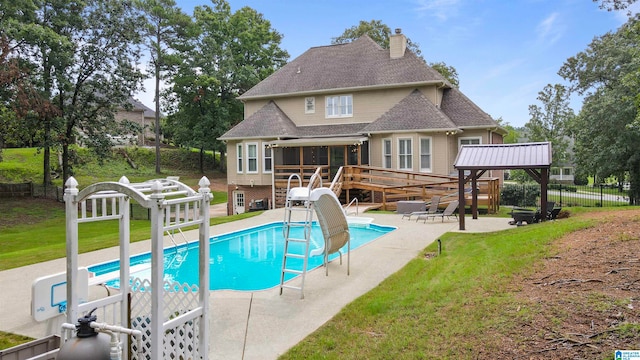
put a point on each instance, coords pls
(87, 344)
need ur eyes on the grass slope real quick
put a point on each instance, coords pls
(438, 307)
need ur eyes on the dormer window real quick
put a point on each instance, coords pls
(309, 105)
(339, 106)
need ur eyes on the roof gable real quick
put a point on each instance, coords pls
(268, 121)
(462, 111)
(139, 106)
(361, 63)
(414, 112)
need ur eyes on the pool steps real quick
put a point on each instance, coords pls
(113, 275)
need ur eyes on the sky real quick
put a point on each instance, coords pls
(505, 51)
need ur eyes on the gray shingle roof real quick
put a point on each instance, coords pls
(360, 63)
(269, 121)
(414, 112)
(138, 105)
(462, 111)
(357, 65)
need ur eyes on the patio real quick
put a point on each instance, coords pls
(262, 324)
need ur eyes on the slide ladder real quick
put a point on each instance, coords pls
(296, 243)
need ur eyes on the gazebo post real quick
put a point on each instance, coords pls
(544, 181)
(461, 199)
(474, 194)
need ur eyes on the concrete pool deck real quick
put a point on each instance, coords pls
(262, 324)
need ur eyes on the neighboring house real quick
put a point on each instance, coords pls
(350, 104)
(561, 172)
(141, 115)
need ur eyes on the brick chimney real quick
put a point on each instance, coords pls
(397, 44)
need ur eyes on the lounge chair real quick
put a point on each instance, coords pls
(333, 223)
(433, 208)
(449, 211)
(553, 214)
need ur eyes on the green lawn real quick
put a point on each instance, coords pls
(33, 230)
(439, 306)
(42, 237)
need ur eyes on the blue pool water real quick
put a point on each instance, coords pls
(247, 260)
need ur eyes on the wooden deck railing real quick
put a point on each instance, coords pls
(388, 186)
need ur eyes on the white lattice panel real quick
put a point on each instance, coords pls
(180, 342)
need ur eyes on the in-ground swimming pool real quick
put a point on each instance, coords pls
(247, 260)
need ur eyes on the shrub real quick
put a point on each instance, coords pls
(580, 178)
(520, 195)
(562, 187)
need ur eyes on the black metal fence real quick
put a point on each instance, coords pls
(565, 195)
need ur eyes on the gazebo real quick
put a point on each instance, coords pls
(474, 160)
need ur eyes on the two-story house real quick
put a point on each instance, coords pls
(142, 115)
(350, 104)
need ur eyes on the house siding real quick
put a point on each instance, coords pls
(233, 177)
(368, 105)
(442, 147)
(136, 116)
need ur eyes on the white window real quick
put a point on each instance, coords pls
(309, 105)
(339, 106)
(239, 156)
(252, 158)
(425, 154)
(386, 153)
(470, 141)
(405, 158)
(267, 159)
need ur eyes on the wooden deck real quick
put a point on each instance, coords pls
(386, 187)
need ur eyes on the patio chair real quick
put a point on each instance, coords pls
(449, 211)
(433, 208)
(553, 214)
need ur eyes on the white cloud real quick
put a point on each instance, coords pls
(441, 9)
(550, 30)
(504, 69)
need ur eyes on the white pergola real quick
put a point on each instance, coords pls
(183, 331)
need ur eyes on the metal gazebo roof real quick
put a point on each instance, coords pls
(474, 160)
(504, 156)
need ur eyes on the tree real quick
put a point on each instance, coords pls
(234, 51)
(449, 72)
(612, 5)
(551, 121)
(606, 130)
(26, 34)
(167, 30)
(380, 32)
(512, 133)
(84, 59)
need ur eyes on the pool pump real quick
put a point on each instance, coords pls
(88, 343)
